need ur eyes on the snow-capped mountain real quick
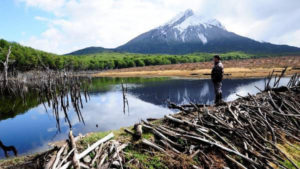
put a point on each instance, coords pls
(190, 32)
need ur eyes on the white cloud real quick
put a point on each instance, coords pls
(39, 18)
(48, 5)
(110, 23)
(261, 20)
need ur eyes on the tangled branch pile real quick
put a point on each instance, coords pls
(105, 153)
(244, 132)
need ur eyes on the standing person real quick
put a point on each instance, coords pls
(217, 77)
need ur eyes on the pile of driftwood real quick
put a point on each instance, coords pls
(104, 153)
(244, 132)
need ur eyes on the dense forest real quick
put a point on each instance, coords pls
(26, 58)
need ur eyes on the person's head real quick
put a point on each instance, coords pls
(217, 58)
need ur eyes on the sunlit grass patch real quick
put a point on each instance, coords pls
(292, 150)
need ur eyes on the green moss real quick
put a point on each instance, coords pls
(146, 160)
(181, 141)
(148, 136)
(158, 121)
(92, 138)
(196, 160)
(14, 160)
(289, 165)
(292, 150)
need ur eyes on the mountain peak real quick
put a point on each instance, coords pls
(190, 18)
(180, 17)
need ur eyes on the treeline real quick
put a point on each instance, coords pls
(26, 58)
(126, 60)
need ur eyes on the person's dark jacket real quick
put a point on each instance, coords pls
(217, 72)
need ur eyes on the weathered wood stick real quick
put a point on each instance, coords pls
(241, 166)
(221, 147)
(75, 159)
(92, 147)
(153, 145)
(233, 114)
(61, 150)
(159, 134)
(51, 161)
(98, 154)
(82, 165)
(138, 130)
(129, 132)
(118, 155)
(102, 160)
(169, 146)
(65, 159)
(120, 148)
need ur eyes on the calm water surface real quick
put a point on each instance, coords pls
(30, 128)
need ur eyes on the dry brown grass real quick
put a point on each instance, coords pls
(237, 68)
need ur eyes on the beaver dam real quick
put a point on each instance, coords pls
(255, 131)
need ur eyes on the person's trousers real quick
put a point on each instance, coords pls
(218, 91)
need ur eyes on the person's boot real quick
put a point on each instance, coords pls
(217, 99)
(221, 98)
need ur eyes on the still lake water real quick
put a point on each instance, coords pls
(31, 129)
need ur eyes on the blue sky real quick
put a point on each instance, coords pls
(18, 21)
(62, 26)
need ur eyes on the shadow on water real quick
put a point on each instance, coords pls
(7, 149)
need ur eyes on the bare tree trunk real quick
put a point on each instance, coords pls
(5, 73)
(5, 66)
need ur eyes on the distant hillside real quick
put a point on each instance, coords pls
(90, 50)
